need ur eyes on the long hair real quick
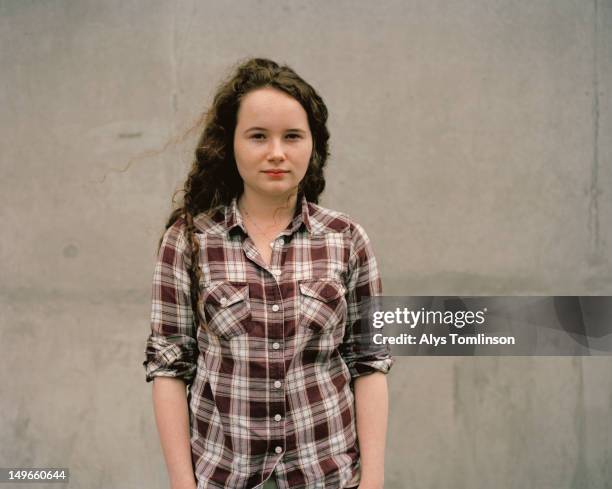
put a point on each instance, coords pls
(214, 179)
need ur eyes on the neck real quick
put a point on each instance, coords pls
(268, 208)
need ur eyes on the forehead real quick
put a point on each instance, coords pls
(270, 107)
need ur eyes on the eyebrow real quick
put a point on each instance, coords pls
(256, 128)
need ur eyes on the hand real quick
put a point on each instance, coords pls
(371, 484)
(186, 485)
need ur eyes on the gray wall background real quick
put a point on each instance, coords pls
(471, 138)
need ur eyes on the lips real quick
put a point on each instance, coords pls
(275, 172)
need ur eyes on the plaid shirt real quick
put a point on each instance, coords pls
(270, 371)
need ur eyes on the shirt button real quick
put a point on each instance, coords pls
(277, 417)
(276, 345)
(276, 272)
(223, 301)
(278, 449)
(277, 383)
(275, 307)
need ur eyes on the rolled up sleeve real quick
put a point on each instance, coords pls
(171, 348)
(361, 354)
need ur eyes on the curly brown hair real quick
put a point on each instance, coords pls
(214, 179)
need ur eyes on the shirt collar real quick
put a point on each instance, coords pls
(234, 219)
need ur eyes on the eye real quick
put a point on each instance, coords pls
(294, 136)
(258, 136)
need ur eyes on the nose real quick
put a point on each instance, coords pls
(277, 151)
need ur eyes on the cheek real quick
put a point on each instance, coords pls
(303, 166)
(306, 156)
(303, 151)
(241, 155)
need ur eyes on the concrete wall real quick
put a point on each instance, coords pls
(471, 138)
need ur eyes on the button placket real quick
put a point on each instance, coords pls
(277, 370)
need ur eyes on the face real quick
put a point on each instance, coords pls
(272, 142)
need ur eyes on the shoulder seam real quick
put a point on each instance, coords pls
(322, 224)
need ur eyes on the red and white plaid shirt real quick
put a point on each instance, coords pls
(270, 371)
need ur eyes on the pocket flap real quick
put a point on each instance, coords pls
(227, 293)
(321, 289)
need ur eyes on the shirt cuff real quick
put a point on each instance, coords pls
(365, 366)
(167, 359)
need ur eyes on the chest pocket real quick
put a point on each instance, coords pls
(226, 308)
(322, 305)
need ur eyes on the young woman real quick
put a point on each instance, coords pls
(255, 307)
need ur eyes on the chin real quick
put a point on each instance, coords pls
(279, 188)
(277, 192)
